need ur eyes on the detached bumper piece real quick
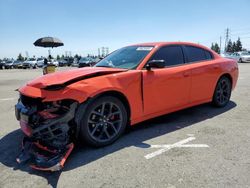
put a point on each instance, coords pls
(43, 158)
(49, 133)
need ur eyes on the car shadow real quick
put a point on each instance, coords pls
(134, 136)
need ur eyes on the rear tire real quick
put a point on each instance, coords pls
(222, 92)
(103, 121)
(240, 60)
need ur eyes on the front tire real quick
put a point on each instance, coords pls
(103, 121)
(222, 92)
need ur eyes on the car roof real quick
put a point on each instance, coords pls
(160, 44)
(168, 43)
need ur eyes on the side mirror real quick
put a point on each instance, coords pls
(155, 64)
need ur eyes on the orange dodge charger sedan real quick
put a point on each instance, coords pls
(132, 84)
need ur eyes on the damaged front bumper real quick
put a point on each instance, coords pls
(49, 132)
(42, 157)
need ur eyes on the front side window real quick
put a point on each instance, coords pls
(128, 57)
(172, 55)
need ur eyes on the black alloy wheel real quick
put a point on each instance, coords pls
(103, 122)
(222, 92)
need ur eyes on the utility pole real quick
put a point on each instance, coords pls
(107, 51)
(226, 39)
(27, 54)
(99, 52)
(103, 51)
(220, 44)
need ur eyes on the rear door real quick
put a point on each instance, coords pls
(166, 88)
(204, 73)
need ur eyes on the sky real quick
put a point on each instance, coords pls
(86, 25)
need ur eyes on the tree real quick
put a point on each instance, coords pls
(58, 57)
(20, 57)
(238, 45)
(234, 47)
(229, 47)
(212, 46)
(76, 56)
(215, 47)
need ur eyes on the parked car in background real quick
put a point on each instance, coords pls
(53, 62)
(2, 64)
(30, 63)
(9, 64)
(18, 64)
(226, 55)
(62, 63)
(241, 57)
(75, 63)
(86, 62)
(40, 62)
(244, 57)
(235, 56)
(69, 60)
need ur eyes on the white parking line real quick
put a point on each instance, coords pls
(7, 99)
(179, 144)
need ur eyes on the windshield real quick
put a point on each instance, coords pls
(31, 59)
(245, 53)
(127, 58)
(84, 59)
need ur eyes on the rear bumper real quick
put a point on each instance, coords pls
(26, 65)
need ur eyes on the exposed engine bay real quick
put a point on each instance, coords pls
(49, 132)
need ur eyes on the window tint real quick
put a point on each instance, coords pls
(128, 57)
(172, 55)
(197, 54)
(208, 54)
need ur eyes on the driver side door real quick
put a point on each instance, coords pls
(166, 89)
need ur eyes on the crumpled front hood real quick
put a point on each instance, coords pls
(71, 76)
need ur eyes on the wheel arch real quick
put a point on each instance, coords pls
(228, 75)
(118, 95)
(82, 106)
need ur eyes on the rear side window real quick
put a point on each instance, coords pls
(208, 54)
(172, 55)
(197, 54)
